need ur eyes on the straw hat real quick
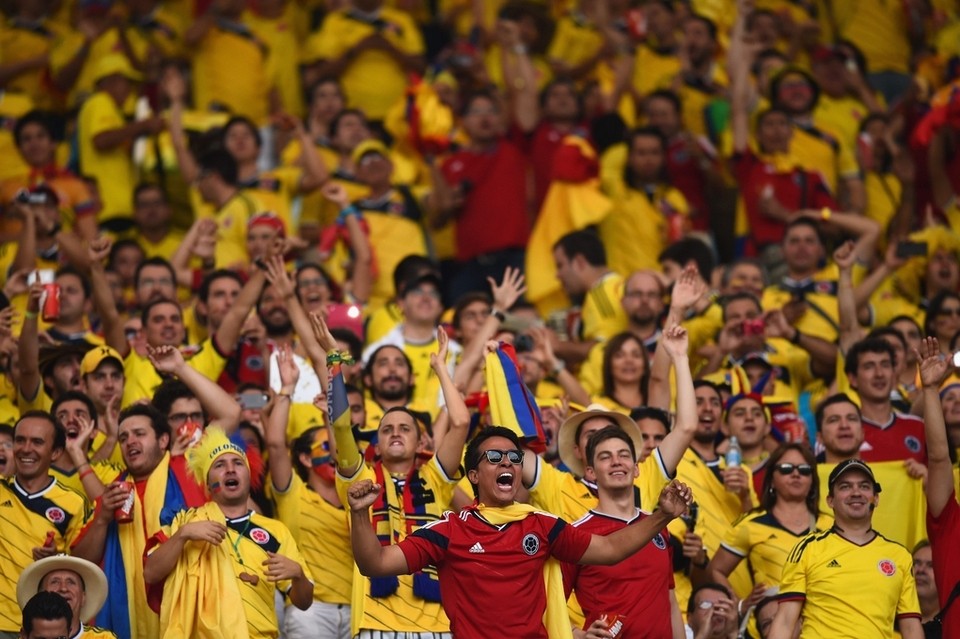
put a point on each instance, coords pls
(94, 581)
(567, 436)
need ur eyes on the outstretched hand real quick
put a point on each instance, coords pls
(675, 341)
(321, 332)
(166, 359)
(675, 498)
(932, 364)
(687, 290)
(439, 359)
(506, 294)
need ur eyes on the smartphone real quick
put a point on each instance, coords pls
(42, 276)
(250, 401)
(911, 249)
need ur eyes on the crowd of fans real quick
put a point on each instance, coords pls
(284, 281)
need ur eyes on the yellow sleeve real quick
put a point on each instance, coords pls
(591, 371)
(847, 166)
(208, 361)
(559, 44)
(79, 521)
(909, 603)
(793, 581)
(411, 42)
(326, 43)
(99, 115)
(738, 540)
(546, 490)
(344, 483)
(289, 177)
(64, 51)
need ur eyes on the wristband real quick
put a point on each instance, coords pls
(30, 314)
(84, 473)
(336, 357)
(558, 367)
(500, 315)
(346, 212)
(825, 214)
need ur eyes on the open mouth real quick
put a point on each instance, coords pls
(505, 480)
(233, 482)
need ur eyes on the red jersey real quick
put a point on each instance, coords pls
(902, 437)
(637, 589)
(689, 178)
(494, 215)
(542, 146)
(492, 576)
(795, 189)
(944, 531)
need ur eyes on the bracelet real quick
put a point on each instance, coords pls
(825, 214)
(346, 212)
(704, 564)
(558, 367)
(287, 394)
(500, 315)
(30, 314)
(88, 471)
(336, 357)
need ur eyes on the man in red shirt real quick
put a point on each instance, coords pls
(500, 537)
(943, 511)
(638, 590)
(889, 436)
(488, 180)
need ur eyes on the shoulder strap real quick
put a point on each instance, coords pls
(953, 596)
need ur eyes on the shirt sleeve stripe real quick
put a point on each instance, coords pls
(432, 536)
(555, 531)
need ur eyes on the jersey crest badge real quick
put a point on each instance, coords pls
(56, 515)
(912, 443)
(531, 544)
(260, 535)
(887, 567)
(660, 542)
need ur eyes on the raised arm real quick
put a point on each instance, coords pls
(228, 334)
(450, 451)
(567, 380)
(281, 466)
(103, 299)
(617, 546)
(687, 291)
(347, 452)
(220, 406)
(372, 559)
(175, 86)
(738, 60)
(850, 331)
(361, 279)
(518, 75)
(28, 346)
(933, 370)
(674, 445)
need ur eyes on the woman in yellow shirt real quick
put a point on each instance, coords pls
(788, 511)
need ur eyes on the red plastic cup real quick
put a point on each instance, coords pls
(124, 514)
(50, 302)
(614, 623)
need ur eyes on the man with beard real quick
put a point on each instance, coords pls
(308, 504)
(163, 326)
(40, 517)
(417, 336)
(824, 575)
(258, 559)
(722, 493)
(154, 279)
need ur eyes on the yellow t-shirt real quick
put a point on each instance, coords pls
(67, 47)
(829, 574)
(224, 51)
(12, 106)
(231, 220)
(765, 543)
(883, 192)
(279, 36)
(822, 151)
(635, 231)
(106, 472)
(142, 379)
(602, 315)
(822, 318)
(575, 41)
(717, 510)
(842, 115)
(382, 321)
(22, 41)
(26, 519)
(402, 611)
(879, 29)
(320, 530)
(274, 191)
(164, 248)
(654, 69)
(113, 169)
(341, 31)
(163, 32)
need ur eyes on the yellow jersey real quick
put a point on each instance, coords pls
(113, 169)
(26, 519)
(602, 315)
(142, 379)
(232, 218)
(227, 48)
(654, 68)
(765, 543)
(575, 41)
(849, 590)
(22, 40)
(878, 29)
(320, 530)
(342, 30)
(274, 191)
(401, 611)
(820, 151)
(283, 46)
(249, 539)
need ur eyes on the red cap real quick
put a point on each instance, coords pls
(267, 219)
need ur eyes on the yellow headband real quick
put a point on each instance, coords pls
(212, 445)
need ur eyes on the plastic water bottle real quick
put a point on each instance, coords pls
(734, 454)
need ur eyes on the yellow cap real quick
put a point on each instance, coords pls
(96, 356)
(369, 146)
(115, 64)
(213, 445)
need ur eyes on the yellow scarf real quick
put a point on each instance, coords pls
(555, 618)
(201, 597)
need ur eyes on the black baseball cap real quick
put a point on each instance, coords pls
(848, 465)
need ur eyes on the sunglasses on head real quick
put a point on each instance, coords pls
(496, 456)
(786, 469)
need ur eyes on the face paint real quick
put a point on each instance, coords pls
(321, 461)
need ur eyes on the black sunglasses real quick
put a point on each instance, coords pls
(804, 469)
(496, 456)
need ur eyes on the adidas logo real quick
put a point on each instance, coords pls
(476, 548)
(834, 564)
(7, 504)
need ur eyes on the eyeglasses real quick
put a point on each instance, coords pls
(496, 456)
(786, 469)
(178, 418)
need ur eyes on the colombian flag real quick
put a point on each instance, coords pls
(512, 405)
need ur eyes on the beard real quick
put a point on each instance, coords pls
(277, 329)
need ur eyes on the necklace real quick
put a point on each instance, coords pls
(236, 544)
